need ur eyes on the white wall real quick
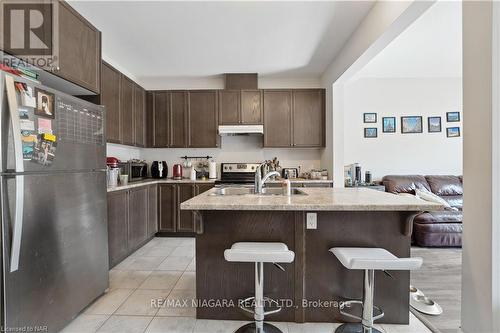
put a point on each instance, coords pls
(239, 149)
(385, 21)
(124, 153)
(234, 149)
(481, 235)
(396, 153)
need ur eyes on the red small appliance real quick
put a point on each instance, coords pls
(177, 172)
(112, 162)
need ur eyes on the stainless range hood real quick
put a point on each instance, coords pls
(241, 129)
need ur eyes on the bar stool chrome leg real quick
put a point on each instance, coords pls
(258, 326)
(367, 319)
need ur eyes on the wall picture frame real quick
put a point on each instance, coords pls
(453, 117)
(370, 132)
(369, 117)
(411, 124)
(453, 132)
(434, 124)
(389, 124)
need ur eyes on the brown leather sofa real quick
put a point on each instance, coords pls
(443, 228)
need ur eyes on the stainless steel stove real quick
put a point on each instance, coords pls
(237, 173)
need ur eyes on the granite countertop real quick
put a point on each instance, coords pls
(303, 180)
(152, 181)
(317, 199)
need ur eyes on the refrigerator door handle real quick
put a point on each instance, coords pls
(17, 227)
(16, 127)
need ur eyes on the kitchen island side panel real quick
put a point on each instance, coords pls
(326, 278)
(217, 279)
(315, 274)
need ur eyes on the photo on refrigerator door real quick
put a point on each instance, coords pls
(45, 151)
(44, 104)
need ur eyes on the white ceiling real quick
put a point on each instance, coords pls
(430, 47)
(202, 39)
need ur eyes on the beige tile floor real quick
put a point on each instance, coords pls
(164, 268)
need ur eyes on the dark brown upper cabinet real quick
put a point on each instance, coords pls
(294, 118)
(139, 116)
(277, 118)
(79, 49)
(167, 111)
(127, 111)
(161, 123)
(110, 97)
(202, 119)
(240, 107)
(125, 103)
(308, 118)
(178, 119)
(79, 45)
(251, 107)
(229, 107)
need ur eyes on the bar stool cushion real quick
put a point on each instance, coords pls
(373, 258)
(259, 252)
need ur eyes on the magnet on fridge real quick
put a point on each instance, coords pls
(28, 149)
(44, 126)
(49, 137)
(27, 97)
(23, 113)
(45, 150)
(27, 125)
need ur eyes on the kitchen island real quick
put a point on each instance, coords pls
(311, 286)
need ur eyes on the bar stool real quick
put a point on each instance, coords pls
(369, 260)
(259, 253)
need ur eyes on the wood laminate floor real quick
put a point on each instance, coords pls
(440, 279)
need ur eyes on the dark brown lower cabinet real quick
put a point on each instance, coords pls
(185, 218)
(117, 226)
(166, 208)
(152, 210)
(132, 220)
(171, 218)
(138, 217)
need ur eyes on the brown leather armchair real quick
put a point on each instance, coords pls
(443, 228)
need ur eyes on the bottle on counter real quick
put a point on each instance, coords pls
(368, 177)
(287, 187)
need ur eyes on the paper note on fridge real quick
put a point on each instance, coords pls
(27, 97)
(44, 126)
(27, 125)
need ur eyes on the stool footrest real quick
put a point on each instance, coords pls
(265, 300)
(351, 302)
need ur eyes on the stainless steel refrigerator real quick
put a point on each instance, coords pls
(53, 205)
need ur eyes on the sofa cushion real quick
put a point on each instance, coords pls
(456, 201)
(431, 197)
(439, 217)
(445, 185)
(442, 234)
(405, 184)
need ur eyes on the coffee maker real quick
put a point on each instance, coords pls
(159, 169)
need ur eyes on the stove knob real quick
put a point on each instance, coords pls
(230, 168)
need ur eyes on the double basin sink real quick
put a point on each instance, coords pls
(229, 191)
